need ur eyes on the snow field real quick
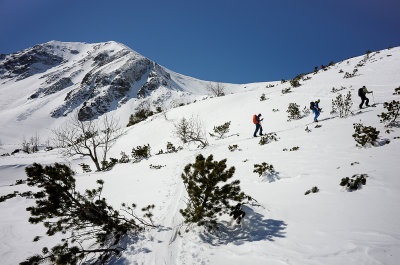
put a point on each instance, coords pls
(332, 226)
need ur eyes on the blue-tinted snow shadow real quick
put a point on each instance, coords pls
(254, 227)
(129, 245)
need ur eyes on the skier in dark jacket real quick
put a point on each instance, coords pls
(362, 93)
(315, 108)
(257, 121)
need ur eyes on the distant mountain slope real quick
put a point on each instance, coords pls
(95, 78)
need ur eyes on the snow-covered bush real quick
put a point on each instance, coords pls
(264, 169)
(390, 116)
(365, 135)
(286, 90)
(355, 182)
(107, 165)
(397, 91)
(172, 149)
(139, 116)
(140, 152)
(94, 228)
(294, 148)
(306, 111)
(262, 98)
(155, 166)
(233, 148)
(341, 105)
(221, 130)
(295, 83)
(124, 158)
(293, 111)
(191, 130)
(348, 75)
(312, 190)
(209, 194)
(269, 137)
(85, 167)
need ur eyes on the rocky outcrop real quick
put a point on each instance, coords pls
(57, 86)
(21, 65)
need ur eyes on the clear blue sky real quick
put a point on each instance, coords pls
(228, 41)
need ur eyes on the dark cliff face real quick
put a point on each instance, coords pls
(32, 61)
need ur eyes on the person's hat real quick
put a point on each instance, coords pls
(363, 87)
(259, 114)
(318, 100)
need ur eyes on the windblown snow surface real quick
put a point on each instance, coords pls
(333, 226)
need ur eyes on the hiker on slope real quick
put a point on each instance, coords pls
(257, 121)
(316, 109)
(362, 93)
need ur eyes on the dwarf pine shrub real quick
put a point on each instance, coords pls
(262, 98)
(124, 158)
(286, 90)
(365, 135)
(85, 167)
(233, 148)
(312, 190)
(293, 111)
(269, 137)
(210, 194)
(221, 130)
(355, 182)
(341, 105)
(140, 152)
(390, 116)
(264, 169)
(107, 165)
(93, 228)
(139, 116)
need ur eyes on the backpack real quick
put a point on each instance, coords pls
(255, 119)
(311, 105)
(360, 92)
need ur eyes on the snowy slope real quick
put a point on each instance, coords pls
(332, 226)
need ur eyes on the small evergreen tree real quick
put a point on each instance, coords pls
(286, 90)
(233, 147)
(262, 98)
(355, 182)
(124, 158)
(342, 105)
(295, 82)
(140, 152)
(209, 194)
(364, 135)
(264, 169)
(221, 130)
(312, 190)
(293, 111)
(269, 137)
(393, 112)
(85, 167)
(94, 228)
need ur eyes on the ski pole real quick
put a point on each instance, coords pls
(373, 97)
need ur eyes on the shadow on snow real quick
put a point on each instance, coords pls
(254, 227)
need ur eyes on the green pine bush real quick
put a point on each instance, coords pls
(210, 195)
(268, 138)
(140, 152)
(264, 169)
(93, 229)
(293, 111)
(365, 135)
(355, 182)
